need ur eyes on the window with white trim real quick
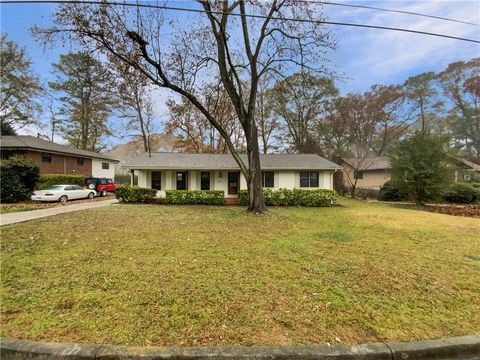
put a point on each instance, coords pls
(309, 179)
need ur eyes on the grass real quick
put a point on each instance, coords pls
(35, 205)
(192, 275)
(11, 208)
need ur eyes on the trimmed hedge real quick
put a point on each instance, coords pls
(134, 194)
(294, 197)
(389, 192)
(203, 197)
(462, 193)
(18, 176)
(13, 190)
(59, 179)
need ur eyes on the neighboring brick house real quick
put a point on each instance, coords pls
(53, 158)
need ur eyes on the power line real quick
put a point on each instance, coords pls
(388, 10)
(174, 8)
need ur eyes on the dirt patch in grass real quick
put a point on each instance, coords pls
(199, 275)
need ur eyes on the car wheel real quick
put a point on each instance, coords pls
(63, 199)
(91, 195)
(104, 192)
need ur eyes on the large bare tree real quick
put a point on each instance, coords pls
(195, 133)
(222, 40)
(300, 101)
(133, 91)
(460, 83)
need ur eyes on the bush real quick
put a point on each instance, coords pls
(203, 197)
(135, 194)
(294, 197)
(462, 193)
(59, 179)
(389, 192)
(18, 178)
(13, 190)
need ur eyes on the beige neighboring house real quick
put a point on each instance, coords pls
(372, 173)
(182, 171)
(466, 169)
(369, 173)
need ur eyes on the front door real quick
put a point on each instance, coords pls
(181, 180)
(233, 185)
(156, 180)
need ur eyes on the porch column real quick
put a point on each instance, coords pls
(168, 180)
(132, 177)
(192, 180)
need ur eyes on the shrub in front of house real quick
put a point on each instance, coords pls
(198, 197)
(462, 193)
(59, 179)
(18, 176)
(135, 194)
(294, 197)
(389, 192)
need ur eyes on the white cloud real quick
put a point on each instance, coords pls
(371, 56)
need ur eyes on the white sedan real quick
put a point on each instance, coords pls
(62, 193)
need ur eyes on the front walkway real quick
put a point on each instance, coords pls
(22, 216)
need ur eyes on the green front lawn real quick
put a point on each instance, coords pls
(199, 275)
(26, 206)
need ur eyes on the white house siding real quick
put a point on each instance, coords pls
(287, 179)
(282, 179)
(97, 170)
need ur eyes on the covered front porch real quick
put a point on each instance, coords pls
(231, 181)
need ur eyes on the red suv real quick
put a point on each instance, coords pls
(102, 185)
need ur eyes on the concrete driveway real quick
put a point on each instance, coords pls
(22, 216)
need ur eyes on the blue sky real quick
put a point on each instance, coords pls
(365, 56)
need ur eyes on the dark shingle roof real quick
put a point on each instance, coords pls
(374, 163)
(34, 143)
(186, 161)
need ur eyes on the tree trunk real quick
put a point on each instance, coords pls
(353, 188)
(256, 201)
(138, 108)
(254, 177)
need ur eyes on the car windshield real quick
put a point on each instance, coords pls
(54, 187)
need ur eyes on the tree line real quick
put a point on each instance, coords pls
(302, 113)
(78, 103)
(305, 114)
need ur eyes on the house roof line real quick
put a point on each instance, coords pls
(206, 161)
(471, 164)
(368, 164)
(33, 143)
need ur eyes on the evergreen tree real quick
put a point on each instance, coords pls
(420, 166)
(86, 99)
(19, 88)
